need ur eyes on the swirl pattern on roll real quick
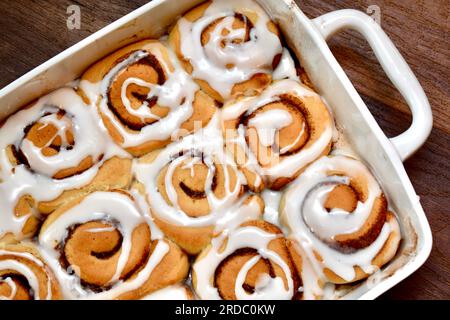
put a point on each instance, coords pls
(49, 148)
(276, 134)
(102, 247)
(250, 262)
(229, 47)
(144, 98)
(24, 275)
(195, 190)
(337, 213)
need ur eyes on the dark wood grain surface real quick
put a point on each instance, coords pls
(33, 31)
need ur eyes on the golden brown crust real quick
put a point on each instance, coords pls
(114, 173)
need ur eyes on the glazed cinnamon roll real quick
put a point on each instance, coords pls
(24, 275)
(337, 213)
(144, 99)
(102, 247)
(229, 47)
(250, 262)
(195, 191)
(50, 152)
(276, 134)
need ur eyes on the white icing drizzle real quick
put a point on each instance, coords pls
(24, 270)
(272, 202)
(286, 68)
(210, 62)
(17, 181)
(175, 292)
(99, 206)
(268, 123)
(310, 223)
(267, 288)
(144, 208)
(311, 288)
(237, 214)
(289, 164)
(207, 147)
(102, 229)
(177, 93)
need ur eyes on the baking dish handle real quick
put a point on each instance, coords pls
(396, 69)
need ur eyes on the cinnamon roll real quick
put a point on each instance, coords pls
(102, 247)
(144, 99)
(195, 190)
(50, 152)
(24, 275)
(276, 134)
(229, 47)
(250, 262)
(337, 213)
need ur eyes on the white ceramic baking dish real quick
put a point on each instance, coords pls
(307, 39)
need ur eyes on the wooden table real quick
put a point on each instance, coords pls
(34, 31)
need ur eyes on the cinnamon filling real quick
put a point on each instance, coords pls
(197, 194)
(276, 60)
(23, 290)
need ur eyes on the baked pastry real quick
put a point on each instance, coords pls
(50, 152)
(251, 262)
(24, 275)
(276, 134)
(102, 247)
(144, 98)
(194, 192)
(337, 213)
(229, 49)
